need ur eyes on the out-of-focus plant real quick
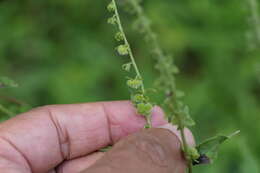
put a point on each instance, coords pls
(177, 112)
(14, 106)
(254, 22)
(6, 83)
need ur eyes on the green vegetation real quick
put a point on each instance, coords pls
(60, 52)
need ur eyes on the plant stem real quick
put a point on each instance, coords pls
(133, 63)
(253, 4)
(121, 29)
(6, 111)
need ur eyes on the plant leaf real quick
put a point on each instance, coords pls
(208, 149)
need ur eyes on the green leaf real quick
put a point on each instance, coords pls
(209, 147)
(6, 82)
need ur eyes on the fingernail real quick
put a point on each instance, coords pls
(174, 130)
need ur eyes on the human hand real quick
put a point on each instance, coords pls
(66, 138)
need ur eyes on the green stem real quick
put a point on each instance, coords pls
(255, 16)
(148, 122)
(6, 111)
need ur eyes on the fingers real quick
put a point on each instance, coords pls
(79, 164)
(188, 135)
(42, 138)
(153, 151)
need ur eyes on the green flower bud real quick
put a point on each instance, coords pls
(144, 108)
(193, 153)
(112, 20)
(127, 67)
(138, 98)
(123, 50)
(119, 36)
(111, 7)
(134, 83)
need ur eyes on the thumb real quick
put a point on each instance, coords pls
(152, 150)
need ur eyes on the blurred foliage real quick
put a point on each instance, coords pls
(61, 51)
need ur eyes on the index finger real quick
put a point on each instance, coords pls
(42, 138)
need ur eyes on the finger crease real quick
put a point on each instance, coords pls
(63, 137)
(18, 151)
(108, 124)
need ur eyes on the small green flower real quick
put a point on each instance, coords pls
(119, 36)
(111, 7)
(193, 153)
(123, 49)
(134, 83)
(127, 66)
(144, 108)
(138, 98)
(112, 20)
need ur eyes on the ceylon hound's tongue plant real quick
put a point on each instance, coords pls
(177, 112)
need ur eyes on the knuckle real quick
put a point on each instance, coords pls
(150, 148)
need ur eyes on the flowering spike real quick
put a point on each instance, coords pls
(138, 96)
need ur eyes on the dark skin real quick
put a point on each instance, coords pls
(66, 139)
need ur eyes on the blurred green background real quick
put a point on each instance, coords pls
(62, 51)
